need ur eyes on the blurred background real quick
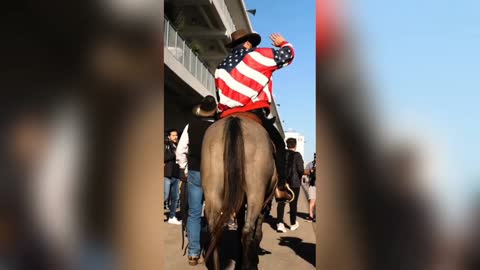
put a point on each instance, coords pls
(82, 132)
(80, 84)
(396, 98)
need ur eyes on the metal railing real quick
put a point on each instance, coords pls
(177, 47)
(223, 8)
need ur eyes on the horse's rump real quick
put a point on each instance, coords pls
(245, 174)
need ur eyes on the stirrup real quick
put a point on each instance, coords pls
(285, 195)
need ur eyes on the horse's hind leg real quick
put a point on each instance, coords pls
(216, 259)
(212, 211)
(258, 230)
(249, 242)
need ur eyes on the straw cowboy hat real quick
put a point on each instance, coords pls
(207, 108)
(241, 35)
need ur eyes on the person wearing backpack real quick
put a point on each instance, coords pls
(293, 171)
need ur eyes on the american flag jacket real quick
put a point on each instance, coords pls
(244, 78)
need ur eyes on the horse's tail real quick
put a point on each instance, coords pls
(234, 178)
(234, 172)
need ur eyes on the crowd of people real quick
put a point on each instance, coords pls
(402, 200)
(171, 176)
(396, 220)
(182, 167)
(253, 67)
(294, 175)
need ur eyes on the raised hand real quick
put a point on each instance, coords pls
(277, 39)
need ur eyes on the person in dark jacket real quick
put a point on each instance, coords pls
(171, 176)
(189, 153)
(294, 172)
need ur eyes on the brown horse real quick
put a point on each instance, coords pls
(237, 168)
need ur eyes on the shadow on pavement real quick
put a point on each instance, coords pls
(263, 252)
(302, 215)
(229, 250)
(304, 250)
(272, 221)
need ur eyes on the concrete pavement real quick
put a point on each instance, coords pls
(280, 251)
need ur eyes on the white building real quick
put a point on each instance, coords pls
(300, 141)
(195, 34)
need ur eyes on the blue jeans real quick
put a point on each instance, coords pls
(171, 185)
(195, 205)
(96, 256)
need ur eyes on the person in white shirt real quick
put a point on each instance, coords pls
(189, 151)
(171, 176)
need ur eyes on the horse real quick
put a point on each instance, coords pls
(237, 167)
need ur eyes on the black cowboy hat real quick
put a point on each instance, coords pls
(207, 108)
(241, 35)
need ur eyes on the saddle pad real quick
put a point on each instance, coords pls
(248, 115)
(255, 118)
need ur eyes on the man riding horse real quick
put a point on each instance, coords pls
(244, 84)
(244, 180)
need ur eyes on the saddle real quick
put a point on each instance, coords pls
(283, 194)
(248, 115)
(256, 119)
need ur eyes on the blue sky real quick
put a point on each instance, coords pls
(422, 59)
(293, 86)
